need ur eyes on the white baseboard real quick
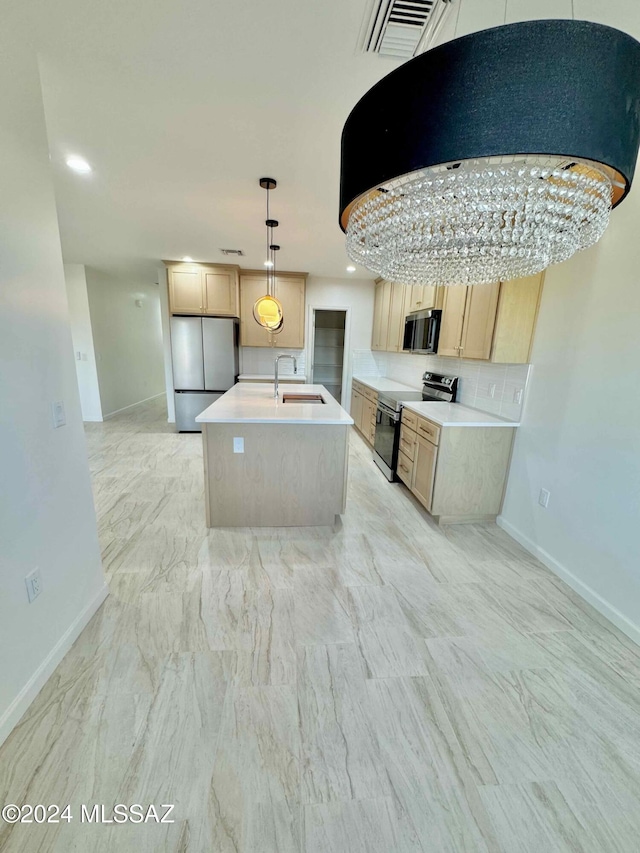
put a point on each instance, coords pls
(595, 599)
(34, 685)
(133, 405)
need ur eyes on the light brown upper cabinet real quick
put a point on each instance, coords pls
(392, 302)
(221, 291)
(290, 292)
(423, 297)
(490, 322)
(203, 289)
(516, 319)
(397, 312)
(453, 305)
(381, 307)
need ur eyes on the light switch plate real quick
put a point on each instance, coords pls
(238, 445)
(543, 498)
(33, 582)
(57, 414)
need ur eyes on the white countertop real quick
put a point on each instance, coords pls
(270, 377)
(254, 403)
(378, 383)
(444, 414)
(453, 414)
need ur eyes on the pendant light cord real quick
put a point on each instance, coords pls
(268, 250)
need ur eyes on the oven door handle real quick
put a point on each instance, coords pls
(389, 412)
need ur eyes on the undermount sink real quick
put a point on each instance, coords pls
(302, 398)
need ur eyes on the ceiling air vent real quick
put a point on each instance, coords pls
(402, 28)
(238, 252)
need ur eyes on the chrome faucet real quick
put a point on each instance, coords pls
(295, 369)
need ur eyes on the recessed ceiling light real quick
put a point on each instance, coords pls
(268, 264)
(78, 164)
(187, 259)
(351, 269)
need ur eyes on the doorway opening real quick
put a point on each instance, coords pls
(327, 357)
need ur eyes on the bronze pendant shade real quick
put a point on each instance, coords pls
(443, 130)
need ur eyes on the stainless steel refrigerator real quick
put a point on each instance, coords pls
(205, 364)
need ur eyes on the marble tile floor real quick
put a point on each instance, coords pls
(381, 686)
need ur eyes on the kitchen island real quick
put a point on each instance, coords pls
(272, 463)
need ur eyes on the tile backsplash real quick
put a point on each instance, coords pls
(474, 387)
(261, 360)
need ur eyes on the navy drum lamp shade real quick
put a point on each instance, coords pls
(561, 94)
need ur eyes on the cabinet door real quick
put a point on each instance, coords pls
(252, 287)
(423, 296)
(516, 319)
(290, 292)
(385, 310)
(377, 315)
(186, 294)
(424, 466)
(454, 300)
(363, 422)
(479, 321)
(395, 334)
(356, 408)
(221, 292)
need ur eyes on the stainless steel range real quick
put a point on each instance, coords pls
(435, 388)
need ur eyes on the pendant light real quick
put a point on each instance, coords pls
(267, 311)
(493, 155)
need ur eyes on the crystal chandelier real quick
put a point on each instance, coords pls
(442, 193)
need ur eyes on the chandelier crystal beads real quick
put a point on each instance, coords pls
(479, 222)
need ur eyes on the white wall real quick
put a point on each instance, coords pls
(127, 340)
(46, 506)
(353, 293)
(581, 433)
(82, 335)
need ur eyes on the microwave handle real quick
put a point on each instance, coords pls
(432, 334)
(409, 327)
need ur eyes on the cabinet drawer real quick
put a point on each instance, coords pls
(370, 394)
(372, 433)
(428, 430)
(407, 441)
(404, 469)
(409, 419)
(357, 387)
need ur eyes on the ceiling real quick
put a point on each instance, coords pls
(181, 107)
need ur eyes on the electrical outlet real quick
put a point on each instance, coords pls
(517, 395)
(78, 356)
(543, 498)
(57, 414)
(238, 445)
(34, 584)
(492, 389)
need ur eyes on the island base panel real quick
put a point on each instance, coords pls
(290, 475)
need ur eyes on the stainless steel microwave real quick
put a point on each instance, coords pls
(421, 331)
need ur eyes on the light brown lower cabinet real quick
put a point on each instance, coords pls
(356, 407)
(457, 473)
(364, 404)
(404, 469)
(424, 468)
